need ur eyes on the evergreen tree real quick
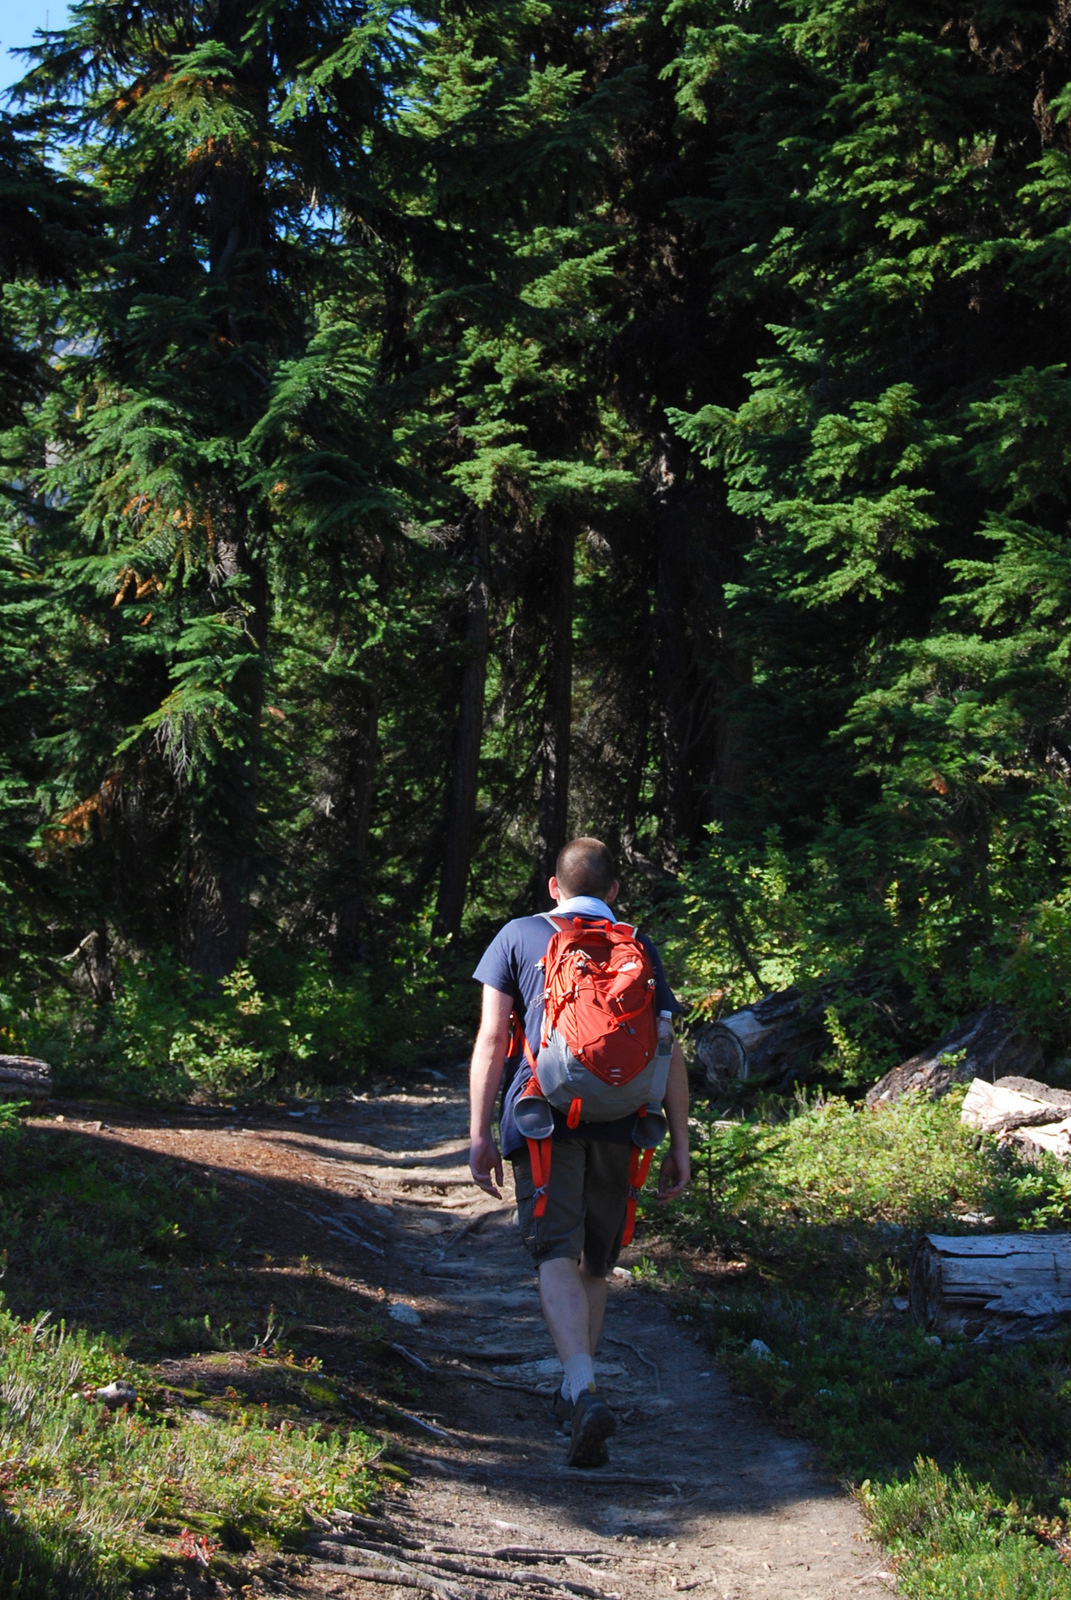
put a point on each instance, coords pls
(237, 149)
(900, 183)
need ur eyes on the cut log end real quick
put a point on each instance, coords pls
(773, 1038)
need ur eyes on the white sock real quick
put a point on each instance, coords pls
(579, 1375)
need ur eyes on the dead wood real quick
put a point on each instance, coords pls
(1059, 1099)
(466, 1569)
(450, 1370)
(470, 1227)
(407, 1355)
(380, 1529)
(347, 1233)
(1052, 1138)
(775, 1038)
(1031, 1116)
(402, 1580)
(991, 1044)
(528, 1552)
(25, 1078)
(994, 1108)
(438, 1565)
(504, 1358)
(992, 1287)
(429, 1427)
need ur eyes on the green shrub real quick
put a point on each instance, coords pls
(279, 1024)
(892, 952)
(169, 1034)
(959, 1450)
(959, 1541)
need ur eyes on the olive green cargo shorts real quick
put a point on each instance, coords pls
(586, 1200)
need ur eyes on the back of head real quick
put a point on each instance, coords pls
(585, 866)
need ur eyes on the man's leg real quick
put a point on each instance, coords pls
(566, 1308)
(568, 1293)
(596, 1289)
(564, 1293)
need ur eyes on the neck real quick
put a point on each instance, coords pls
(584, 905)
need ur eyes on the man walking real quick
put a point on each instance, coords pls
(574, 1233)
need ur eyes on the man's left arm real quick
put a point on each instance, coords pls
(485, 1075)
(676, 1167)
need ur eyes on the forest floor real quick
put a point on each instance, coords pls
(368, 1207)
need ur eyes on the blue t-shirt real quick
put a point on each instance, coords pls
(510, 964)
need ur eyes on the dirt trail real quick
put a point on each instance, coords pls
(700, 1496)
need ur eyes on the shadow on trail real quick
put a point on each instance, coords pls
(215, 1235)
(172, 1252)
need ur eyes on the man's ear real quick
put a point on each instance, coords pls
(611, 894)
(555, 890)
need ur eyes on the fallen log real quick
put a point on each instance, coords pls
(1001, 1106)
(1052, 1138)
(992, 1287)
(25, 1078)
(774, 1038)
(991, 1044)
(1059, 1099)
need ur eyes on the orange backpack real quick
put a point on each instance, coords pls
(599, 1055)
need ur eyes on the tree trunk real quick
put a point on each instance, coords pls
(223, 824)
(672, 654)
(998, 1287)
(552, 818)
(730, 759)
(988, 1045)
(460, 814)
(353, 760)
(96, 955)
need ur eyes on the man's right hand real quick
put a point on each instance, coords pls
(485, 1164)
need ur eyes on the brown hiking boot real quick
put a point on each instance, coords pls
(593, 1424)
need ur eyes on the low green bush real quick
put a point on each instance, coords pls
(958, 1451)
(279, 1024)
(894, 952)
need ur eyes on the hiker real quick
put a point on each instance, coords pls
(575, 1217)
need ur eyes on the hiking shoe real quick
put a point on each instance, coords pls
(593, 1424)
(561, 1409)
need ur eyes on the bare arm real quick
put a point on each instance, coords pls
(485, 1075)
(676, 1167)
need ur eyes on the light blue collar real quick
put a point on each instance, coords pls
(583, 905)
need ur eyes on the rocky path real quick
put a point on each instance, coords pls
(701, 1495)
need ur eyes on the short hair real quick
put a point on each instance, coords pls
(585, 866)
